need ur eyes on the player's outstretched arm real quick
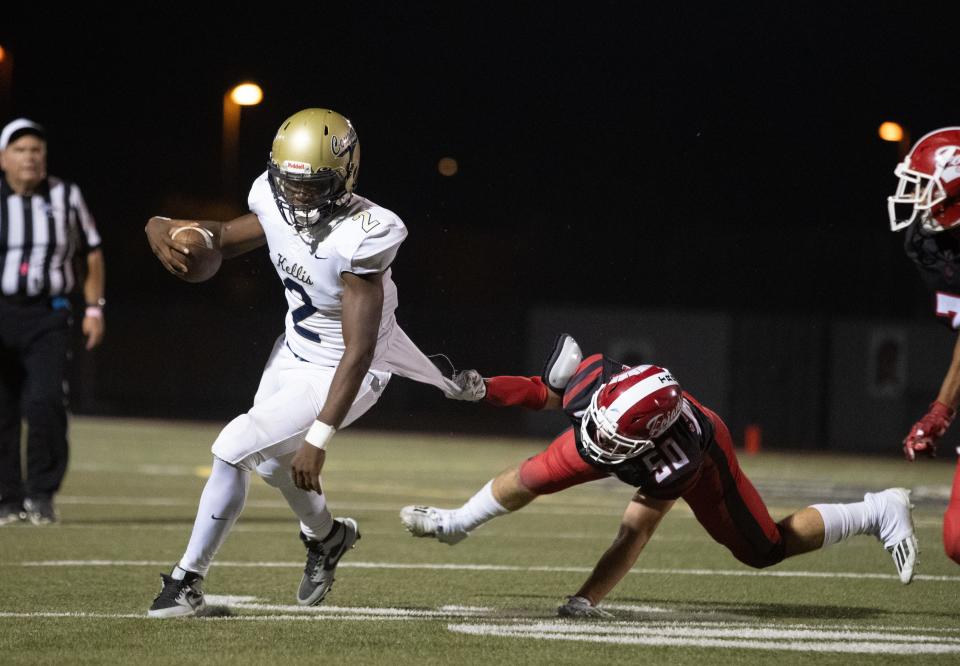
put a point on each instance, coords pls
(233, 238)
(543, 392)
(924, 434)
(529, 392)
(640, 520)
(362, 308)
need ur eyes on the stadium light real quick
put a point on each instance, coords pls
(447, 166)
(243, 94)
(896, 133)
(246, 94)
(891, 131)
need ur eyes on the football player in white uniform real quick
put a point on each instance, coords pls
(332, 250)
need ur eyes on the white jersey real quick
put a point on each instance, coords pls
(362, 238)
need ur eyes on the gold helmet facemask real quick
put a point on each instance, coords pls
(313, 166)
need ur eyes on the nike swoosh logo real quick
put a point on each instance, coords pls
(330, 560)
(215, 518)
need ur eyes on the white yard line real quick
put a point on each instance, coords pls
(724, 635)
(683, 635)
(493, 567)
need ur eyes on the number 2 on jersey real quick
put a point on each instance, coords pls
(366, 222)
(303, 312)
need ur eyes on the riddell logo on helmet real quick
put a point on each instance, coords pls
(296, 167)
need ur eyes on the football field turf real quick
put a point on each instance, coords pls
(77, 592)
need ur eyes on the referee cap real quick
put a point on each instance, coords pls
(19, 127)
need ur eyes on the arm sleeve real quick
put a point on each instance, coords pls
(88, 227)
(506, 391)
(377, 249)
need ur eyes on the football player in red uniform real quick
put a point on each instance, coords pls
(927, 205)
(639, 425)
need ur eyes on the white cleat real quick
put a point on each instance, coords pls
(428, 521)
(896, 529)
(580, 607)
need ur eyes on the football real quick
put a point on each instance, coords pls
(204, 259)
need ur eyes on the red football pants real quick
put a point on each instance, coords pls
(725, 502)
(951, 520)
(723, 499)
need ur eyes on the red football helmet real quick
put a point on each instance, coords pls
(929, 182)
(628, 412)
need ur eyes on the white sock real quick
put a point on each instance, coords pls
(220, 505)
(841, 521)
(479, 509)
(178, 573)
(310, 507)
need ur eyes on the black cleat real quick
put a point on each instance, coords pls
(178, 598)
(322, 559)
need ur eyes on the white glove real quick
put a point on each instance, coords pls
(581, 607)
(471, 384)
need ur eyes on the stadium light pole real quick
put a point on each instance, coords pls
(243, 94)
(895, 133)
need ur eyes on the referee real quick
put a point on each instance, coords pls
(44, 225)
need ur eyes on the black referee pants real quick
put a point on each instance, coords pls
(33, 358)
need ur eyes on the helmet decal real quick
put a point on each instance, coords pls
(661, 422)
(296, 167)
(339, 144)
(948, 158)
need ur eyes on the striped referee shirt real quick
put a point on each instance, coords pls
(39, 236)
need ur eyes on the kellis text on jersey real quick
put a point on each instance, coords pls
(296, 270)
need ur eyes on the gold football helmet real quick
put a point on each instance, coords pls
(313, 166)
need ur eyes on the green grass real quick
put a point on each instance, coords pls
(130, 499)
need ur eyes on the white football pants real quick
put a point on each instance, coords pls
(291, 393)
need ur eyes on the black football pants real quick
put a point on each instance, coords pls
(33, 358)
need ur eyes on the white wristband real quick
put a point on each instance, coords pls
(93, 311)
(319, 434)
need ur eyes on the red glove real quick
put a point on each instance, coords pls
(926, 431)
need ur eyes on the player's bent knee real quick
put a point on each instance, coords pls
(761, 560)
(762, 555)
(237, 444)
(275, 473)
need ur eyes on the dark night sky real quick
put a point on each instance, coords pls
(626, 154)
